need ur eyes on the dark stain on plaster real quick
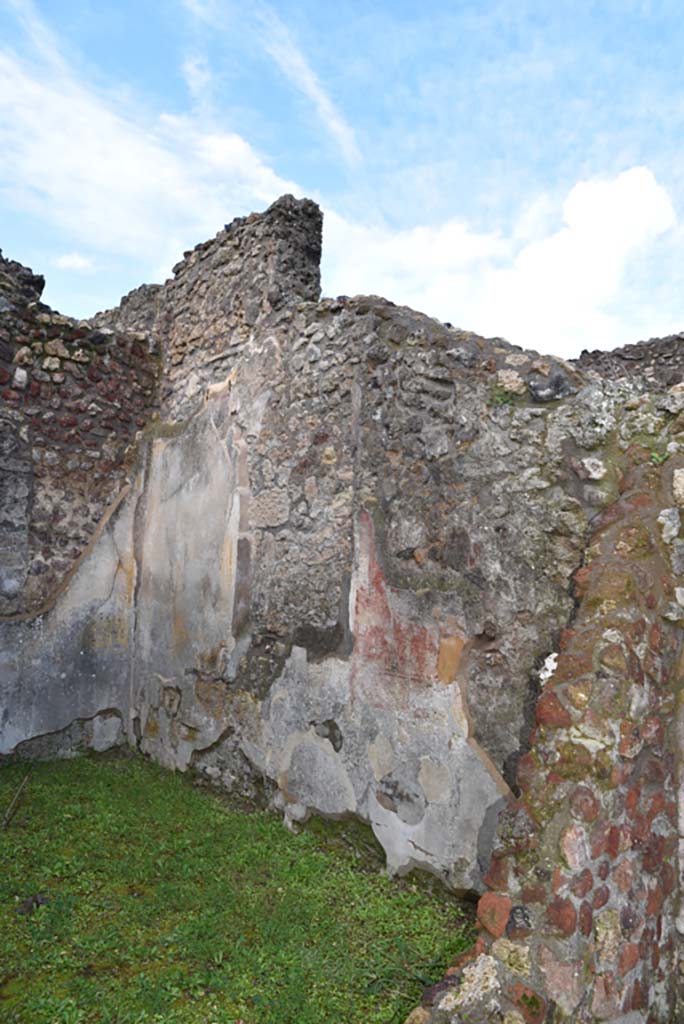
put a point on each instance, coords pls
(243, 577)
(329, 730)
(76, 737)
(320, 642)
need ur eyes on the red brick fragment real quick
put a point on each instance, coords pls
(497, 874)
(641, 500)
(652, 732)
(638, 996)
(654, 854)
(551, 713)
(526, 771)
(654, 772)
(601, 897)
(566, 638)
(628, 959)
(562, 915)
(613, 842)
(493, 912)
(558, 880)
(631, 741)
(529, 1003)
(668, 879)
(623, 875)
(620, 774)
(632, 798)
(656, 898)
(586, 919)
(584, 804)
(645, 943)
(599, 840)
(534, 894)
(656, 806)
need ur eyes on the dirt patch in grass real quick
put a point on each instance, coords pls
(160, 903)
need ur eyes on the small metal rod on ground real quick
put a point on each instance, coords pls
(12, 807)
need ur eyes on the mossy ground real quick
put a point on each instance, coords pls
(166, 905)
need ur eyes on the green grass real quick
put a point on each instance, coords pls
(501, 397)
(166, 905)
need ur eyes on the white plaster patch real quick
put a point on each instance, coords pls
(594, 468)
(381, 756)
(548, 668)
(590, 739)
(435, 779)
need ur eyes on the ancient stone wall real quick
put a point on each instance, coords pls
(73, 399)
(651, 364)
(224, 291)
(378, 566)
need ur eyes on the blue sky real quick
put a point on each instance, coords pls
(512, 167)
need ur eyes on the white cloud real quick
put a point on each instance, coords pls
(281, 46)
(559, 292)
(198, 78)
(75, 261)
(40, 36)
(115, 181)
(279, 43)
(205, 10)
(107, 178)
(406, 266)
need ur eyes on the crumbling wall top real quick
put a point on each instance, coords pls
(257, 269)
(657, 363)
(18, 284)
